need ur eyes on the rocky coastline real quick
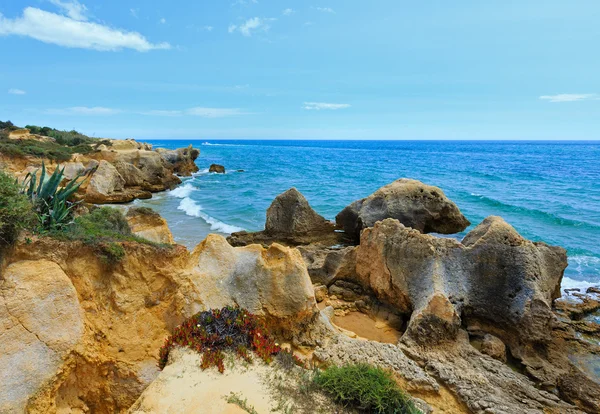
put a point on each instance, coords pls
(479, 324)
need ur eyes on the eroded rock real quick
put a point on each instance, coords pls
(422, 207)
(148, 224)
(272, 282)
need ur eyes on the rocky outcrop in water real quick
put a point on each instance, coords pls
(216, 168)
(291, 221)
(422, 207)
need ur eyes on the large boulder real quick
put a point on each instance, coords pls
(148, 224)
(291, 221)
(422, 207)
(40, 324)
(271, 282)
(291, 214)
(105, 181)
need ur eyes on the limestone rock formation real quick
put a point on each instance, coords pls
(216, 168)
(181, 160)
(40, 325)
(147, 223)
(272, 282)
(105, 182)
(422, 207)
(494, 274)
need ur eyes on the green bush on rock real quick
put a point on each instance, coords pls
(15, 209)
(364, 387)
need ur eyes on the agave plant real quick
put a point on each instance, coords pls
(51, 202)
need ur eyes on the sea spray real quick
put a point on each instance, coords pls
(193, 209)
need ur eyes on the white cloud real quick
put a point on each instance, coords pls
(214, 112)
(255, 24)
(208, 28)
(83, 110)
(162, 113)
(163, 20)
(325, 9)
(73, 9)
(317, 106)
(134, 12)
(569, 97)
(308, 24)
(16, 91)
(243, 2)
(198, 111)
(288, 12)
(68, 32)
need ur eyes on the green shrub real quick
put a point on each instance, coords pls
(103, 229)
(15, 209)
(366, 388)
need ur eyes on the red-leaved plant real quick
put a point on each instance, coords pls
(214, 331)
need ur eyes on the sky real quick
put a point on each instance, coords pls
(292, 69)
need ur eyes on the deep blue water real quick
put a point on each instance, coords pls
(549, 191)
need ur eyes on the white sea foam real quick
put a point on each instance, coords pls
(193, 209)
(568, 283)
(183, 191)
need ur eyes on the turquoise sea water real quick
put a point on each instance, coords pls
(549, 191)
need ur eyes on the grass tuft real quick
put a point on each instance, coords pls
(365, 388)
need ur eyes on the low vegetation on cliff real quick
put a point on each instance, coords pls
(58, 146)
(369, 389)
(216, 331)
(15, 210)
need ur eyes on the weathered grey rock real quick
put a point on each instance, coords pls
(326, 265)
(481, 383)
(422, 207)
(320, 293)
(291, 214)
(494, 275)
(343, 350)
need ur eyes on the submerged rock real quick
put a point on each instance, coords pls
(422, 207)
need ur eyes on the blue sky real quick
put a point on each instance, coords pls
(330, 69)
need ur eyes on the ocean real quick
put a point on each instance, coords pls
(549, 191)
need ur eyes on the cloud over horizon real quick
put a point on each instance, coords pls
(317, 106)
(14, 91)
(72, 32)
(570, 97)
